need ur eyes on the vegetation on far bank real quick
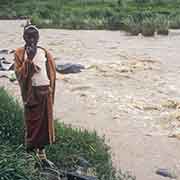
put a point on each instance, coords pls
(134, 16)
(71, 146)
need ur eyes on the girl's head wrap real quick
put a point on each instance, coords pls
(30, 26)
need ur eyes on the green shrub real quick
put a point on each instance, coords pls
(140, 16)
(133, 27)
(122, 3)
(114, 22)
(175, 21)
(139, 21)
(93, 23)
(162, 25)
(35, 19)
(142, 1)
(148, 27)
(11, 119)
(15, 164)
(71, 144)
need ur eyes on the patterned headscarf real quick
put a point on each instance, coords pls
(30, 26)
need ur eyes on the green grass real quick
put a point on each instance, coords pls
(11, 120)
(71, 145)
(89, 14)
(16, 164)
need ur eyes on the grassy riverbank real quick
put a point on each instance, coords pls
(71, 145)
(130, 15)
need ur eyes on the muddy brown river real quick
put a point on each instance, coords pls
(129, 91)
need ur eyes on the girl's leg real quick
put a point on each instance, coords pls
(41, 154)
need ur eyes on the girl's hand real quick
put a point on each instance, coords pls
(31, 52)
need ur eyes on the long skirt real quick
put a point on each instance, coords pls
(39, 119)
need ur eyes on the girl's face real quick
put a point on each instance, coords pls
(31, 37)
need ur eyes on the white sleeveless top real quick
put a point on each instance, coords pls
(40, 78)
